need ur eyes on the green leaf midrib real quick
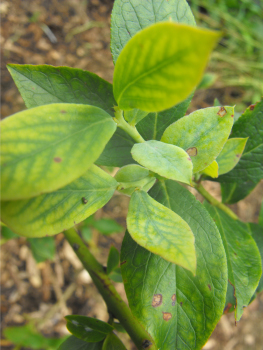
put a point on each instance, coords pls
(18, 159)
(149, 71)
(252, 150)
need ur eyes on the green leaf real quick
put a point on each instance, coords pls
(152, 66)
(117, 152)
(250, 166)
(44, 84)
(27, 336)
(116, 275)
(202, 134)
(230, 154)
(47, 147)
(130, 16)
(40, 85)
(166, 160)
(119, 327)
(156, 288)
(73, 343)
(243, 258)
(233, 192)
(112, 342)
(207, 81)
(153, 125)
(54, 212)
(88, 329)
(7, 234)
(107, 226)
(161, 231)
(134, 176)
(257, 233)
(42, 248)
(113, 259)
(134, 116)
(86, 233)
(211, 170)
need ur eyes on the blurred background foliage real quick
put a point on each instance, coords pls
(238, 60)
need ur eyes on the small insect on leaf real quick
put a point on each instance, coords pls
(84, 200)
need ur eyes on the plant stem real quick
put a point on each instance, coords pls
(114, 302)
(214, 201)
(129, 129)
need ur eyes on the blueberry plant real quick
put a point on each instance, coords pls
(182, 263)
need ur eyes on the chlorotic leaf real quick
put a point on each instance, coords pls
(47, 147)
(44, 84)
(132, 177)
(166, 160)
(161, 65)
(51, 213)
(211, 170)
(42, 248)
(78, 344)
(112, 342)
(230, 154)
(202, 134)
(153, 125)
(161, 231)
(243, 258)
(130, 16)
(179, 310)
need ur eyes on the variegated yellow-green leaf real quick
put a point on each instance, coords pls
(211, 170)
(202, 134)
(166, 160)
(134, 176)
(47, 147)
(57, 211)
(161, 231)
(161, 65)
(230, 154)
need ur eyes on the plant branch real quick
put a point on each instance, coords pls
(214, 201)
(114, 302)
(129, 129)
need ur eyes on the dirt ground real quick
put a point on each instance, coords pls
(76, 33)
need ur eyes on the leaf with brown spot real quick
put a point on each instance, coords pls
(35, 141)
(167, 316)
(157, 300)
(201, 134)
(222, 112)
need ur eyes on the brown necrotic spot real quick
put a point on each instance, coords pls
(57, 160)
(167, 316)
(63, 111)
(123, 262)
(209, 287)
(181, 303)
(157, 300)
(251, 107)
(227, 308)
(238, 155)
(222, 112)
(192, 152)
(173, 299)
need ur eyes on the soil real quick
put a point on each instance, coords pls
(76, 33)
